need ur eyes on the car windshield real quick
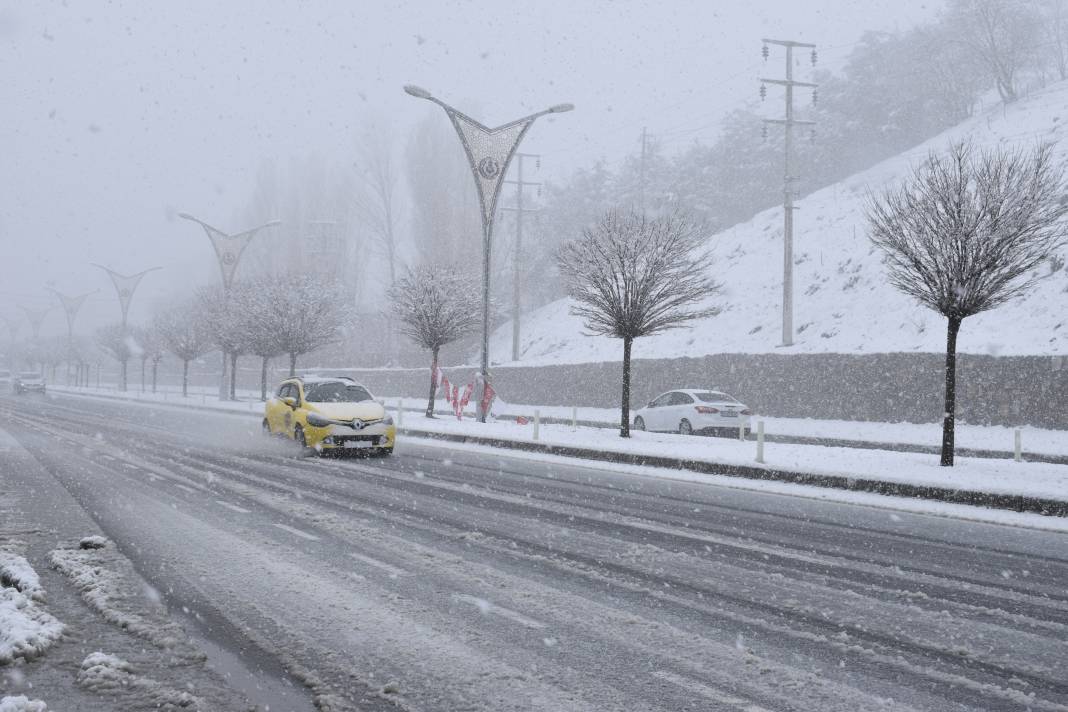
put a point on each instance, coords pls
(716, 397)
(336, 392)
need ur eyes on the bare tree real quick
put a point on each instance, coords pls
(220, 311)
(1001, 35)
(965, 232)
(1054, 15)
(304, 313)
(435, 307)
(152, 349)
(183, 332)
(115, 340)
(376, 198)
(54, 351)
(632, 275)
(253, 301)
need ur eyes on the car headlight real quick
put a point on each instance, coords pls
(317, 421)
(387, 419)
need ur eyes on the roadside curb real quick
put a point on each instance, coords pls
(1016, 503)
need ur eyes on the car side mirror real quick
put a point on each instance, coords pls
(290, 401)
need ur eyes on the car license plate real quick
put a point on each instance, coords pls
(730, 414)
(353, 444)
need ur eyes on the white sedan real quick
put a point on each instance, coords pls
(693, 410)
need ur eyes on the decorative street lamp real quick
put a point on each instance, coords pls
(36, 318)
(228, 250)
(124, 288)
(71, 305)
(489, 152)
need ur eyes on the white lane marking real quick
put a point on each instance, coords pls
(709, 692)
(388, 568)
(107, 457)
(297, 532)
(190, 490)
(233, 507)
(487, 607)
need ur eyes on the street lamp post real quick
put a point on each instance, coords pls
(71, 305)
(124, 288)
(228, 250)
(489, 152)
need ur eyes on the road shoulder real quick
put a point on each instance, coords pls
(120, 649)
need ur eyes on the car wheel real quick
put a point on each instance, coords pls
(639, 423)
(267, 428)
(298, 435)
(685, 428)
(383, 452)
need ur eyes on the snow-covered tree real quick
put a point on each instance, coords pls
(152, 349)
(252, 300)
(305, 314)
(184, 333)
(116, 341)
(965, 233)
(222, 319)
(54, 351)
(436, 306)
(633, 275)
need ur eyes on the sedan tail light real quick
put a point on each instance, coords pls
(708, 410)
(747, 412)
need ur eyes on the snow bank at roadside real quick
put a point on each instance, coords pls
(1029, 479)
(16, 572)
(110, 674)
(22, 704)
(26, 629)
(93, 571)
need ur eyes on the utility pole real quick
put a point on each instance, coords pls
(641, 173)
(519, 184)
(789, 179)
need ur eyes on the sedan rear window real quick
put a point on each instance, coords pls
(716, 397)
(335, 392)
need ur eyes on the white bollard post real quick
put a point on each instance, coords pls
(574, 418)
(760, 442)
(1017, 452)
(537, 423)
(741, 432)
(400, 414)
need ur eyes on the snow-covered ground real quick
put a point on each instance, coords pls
(843, 303)
(974, 474)
(993, 476)
(1038, 441)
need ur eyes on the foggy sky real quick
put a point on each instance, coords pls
(115, 116)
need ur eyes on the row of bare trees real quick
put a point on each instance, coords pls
(965, 233)
(267, 317)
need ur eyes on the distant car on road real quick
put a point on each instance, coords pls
(329, 414)
(30, 381)
(693, 410)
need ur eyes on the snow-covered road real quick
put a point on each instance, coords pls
(447, 580)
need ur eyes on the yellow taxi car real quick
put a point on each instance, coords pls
(329, 414)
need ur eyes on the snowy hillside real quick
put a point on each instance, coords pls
(842, 301)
